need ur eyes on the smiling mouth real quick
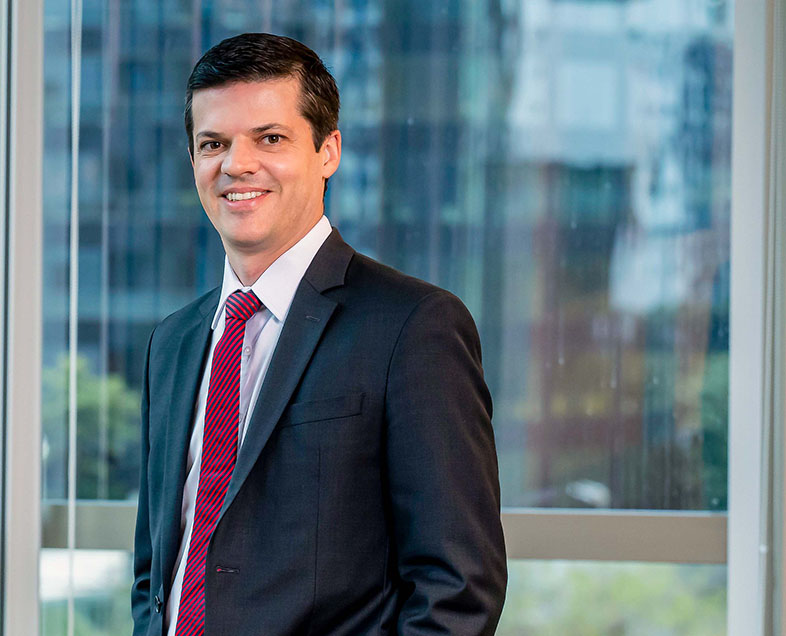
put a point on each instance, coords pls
(244, 196)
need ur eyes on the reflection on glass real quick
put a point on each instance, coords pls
(100, 587)
(554, 598)
(609, 338)
(561, 166)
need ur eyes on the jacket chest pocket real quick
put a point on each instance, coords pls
(320, 410)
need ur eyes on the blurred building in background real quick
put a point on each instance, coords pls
(561, 166)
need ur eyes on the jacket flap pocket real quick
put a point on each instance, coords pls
(327, 409)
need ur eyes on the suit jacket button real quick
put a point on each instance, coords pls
(158, 604)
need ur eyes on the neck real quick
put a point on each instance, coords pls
(249, 265)
(248, 268)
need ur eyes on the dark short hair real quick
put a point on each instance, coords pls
(255, 57)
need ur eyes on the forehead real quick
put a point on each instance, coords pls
(255, 102)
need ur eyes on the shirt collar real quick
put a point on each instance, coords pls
(277, 285)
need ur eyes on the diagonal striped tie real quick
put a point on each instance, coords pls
(219, 451)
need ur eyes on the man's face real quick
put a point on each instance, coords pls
(258, 175)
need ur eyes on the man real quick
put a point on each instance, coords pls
(317, 451)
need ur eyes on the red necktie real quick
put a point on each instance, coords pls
(219, 451)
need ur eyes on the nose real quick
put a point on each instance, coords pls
(240, 159)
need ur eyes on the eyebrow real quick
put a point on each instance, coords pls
(262, 129)
(256, 131)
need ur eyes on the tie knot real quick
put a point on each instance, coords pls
(242, 305)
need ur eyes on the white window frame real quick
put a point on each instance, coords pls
(22, 34)
(737, 539)
(747, 556)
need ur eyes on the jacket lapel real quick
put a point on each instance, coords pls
(307, 318)
(188, 357)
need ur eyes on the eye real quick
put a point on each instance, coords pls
(210, 145)
(273, 139)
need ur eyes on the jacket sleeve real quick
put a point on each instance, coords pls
(443, 475)
(143, 551)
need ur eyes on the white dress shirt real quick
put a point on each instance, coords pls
(275, 288)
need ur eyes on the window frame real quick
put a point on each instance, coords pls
(22, 36)
(747, 604)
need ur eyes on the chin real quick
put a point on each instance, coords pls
(247, 244)
(243, 232)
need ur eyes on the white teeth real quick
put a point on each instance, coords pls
(242, 196)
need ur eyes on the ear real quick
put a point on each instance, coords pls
(191, 157)
(330, 154)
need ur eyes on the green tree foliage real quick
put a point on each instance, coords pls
(106, 615)
(107, 446)
(555, 598)
(715, 427)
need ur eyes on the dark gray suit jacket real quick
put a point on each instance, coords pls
(365, 498)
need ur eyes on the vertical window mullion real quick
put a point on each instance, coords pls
(747, 541)
(22, 359)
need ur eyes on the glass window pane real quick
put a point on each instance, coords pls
(99, 583)
(562, 166)
(607, 343)
(590, 598)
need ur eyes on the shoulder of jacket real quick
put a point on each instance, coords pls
(387, 282)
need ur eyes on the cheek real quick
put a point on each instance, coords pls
(203, 174)
(281, 170)
(295, 171)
